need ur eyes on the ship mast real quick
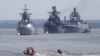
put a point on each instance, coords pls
(25, 15)
(25, 8)
(54, 12)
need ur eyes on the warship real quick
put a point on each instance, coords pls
(75, 24)
(25, 26)
(53, 24)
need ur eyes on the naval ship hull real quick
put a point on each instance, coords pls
(76, 29)
(70, 29)
(51, 29)
(25, 29)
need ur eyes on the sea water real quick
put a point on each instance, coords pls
(72, 44)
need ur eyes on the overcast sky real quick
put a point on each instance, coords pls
(10, 9)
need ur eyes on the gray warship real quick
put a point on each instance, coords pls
(25, 26)
(75, 24)
(53, 24)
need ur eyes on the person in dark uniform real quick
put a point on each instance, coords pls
(59, 51)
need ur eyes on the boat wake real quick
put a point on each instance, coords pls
(9, 53)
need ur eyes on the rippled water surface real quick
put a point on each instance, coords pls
(70, 43)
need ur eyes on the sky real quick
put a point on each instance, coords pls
(88, 9)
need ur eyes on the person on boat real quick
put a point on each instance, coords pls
(32, 50)
(29, 51)
(26, 51)
(59, 51)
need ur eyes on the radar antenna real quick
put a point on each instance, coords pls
(25, 7)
